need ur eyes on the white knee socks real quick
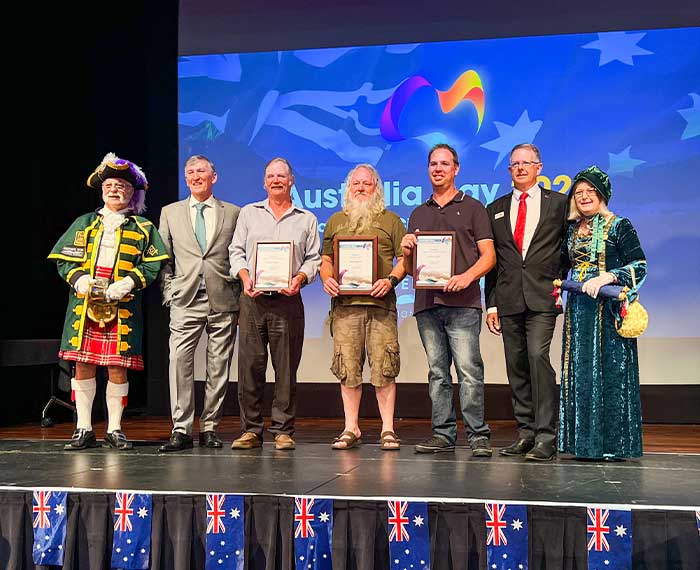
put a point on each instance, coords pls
(116, 402)
(84, 395)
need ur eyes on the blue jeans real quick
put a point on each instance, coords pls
(451, 335)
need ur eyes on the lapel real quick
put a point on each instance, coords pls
(506, 214)
(545, 204)
(219, 210)
(187, 221)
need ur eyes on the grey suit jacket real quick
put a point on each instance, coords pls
(180, 277)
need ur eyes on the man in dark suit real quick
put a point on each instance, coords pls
(528, 227)
(202, 297)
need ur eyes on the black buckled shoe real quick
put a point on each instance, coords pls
(541, 452)
(117, 440)
(82, 439)
(178, 442)
(519, 447)
(209, 439)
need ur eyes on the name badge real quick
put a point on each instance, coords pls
(498, 215)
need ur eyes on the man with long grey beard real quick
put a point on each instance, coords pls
(365, 324)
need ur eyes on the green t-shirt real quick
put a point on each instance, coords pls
(389, 230)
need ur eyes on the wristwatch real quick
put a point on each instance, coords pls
(393, 280)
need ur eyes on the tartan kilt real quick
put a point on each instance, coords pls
(99, 347)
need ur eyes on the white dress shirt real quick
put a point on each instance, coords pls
(534, 202)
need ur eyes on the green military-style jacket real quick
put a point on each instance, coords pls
(140, 255)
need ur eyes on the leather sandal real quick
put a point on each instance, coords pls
(346, 440)
(389, 441)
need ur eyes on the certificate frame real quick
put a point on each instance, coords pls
(275, 259)
(365, 275)
(418, 268)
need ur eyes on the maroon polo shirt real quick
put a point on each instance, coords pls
(468, 218)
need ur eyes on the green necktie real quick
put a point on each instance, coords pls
(200, 230)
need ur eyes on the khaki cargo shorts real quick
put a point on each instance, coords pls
(364, 331)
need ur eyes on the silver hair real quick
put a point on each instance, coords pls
(197, 157)
(282, 160)
(361, 217)
(138, 202)
(527, 146)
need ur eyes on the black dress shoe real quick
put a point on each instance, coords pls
(519, 447)
(82, 439)
(117, 440)
(209, 439)
(178, 442)
(541, 452)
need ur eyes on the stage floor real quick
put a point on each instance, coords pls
(658, 480)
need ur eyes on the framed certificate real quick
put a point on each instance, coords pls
(355, 263)
(273, 265)
(433, 259)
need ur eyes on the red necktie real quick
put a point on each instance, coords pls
(519, 233)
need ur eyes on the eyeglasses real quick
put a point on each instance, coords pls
(523, 163)
(584, 192)
(118, 186)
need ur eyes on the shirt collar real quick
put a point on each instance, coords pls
(209, 201)
(459, 197)
(531, 192)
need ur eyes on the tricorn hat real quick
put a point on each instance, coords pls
(599, 179)
(114, 167)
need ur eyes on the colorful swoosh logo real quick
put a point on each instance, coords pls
(467, 87)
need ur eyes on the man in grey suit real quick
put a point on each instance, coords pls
(202, 296)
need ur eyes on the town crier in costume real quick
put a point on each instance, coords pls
(107, 257)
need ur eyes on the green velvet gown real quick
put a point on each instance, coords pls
(600, 410)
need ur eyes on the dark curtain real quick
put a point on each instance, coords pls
(662, 540)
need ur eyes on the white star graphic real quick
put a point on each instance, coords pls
(128, 541)
(618, 46)
(620, 530)
(324, 517)
(58, 509)
(517, 524)
(143, 512)
(523, 131)
(418, 520)
(606, 562)
(235, 513)
(692, 116)
(623, 164)
(407, 551)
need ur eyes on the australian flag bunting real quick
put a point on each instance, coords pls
(313, 533)
(409, 538)
(49, 522)
(506, 536)
(609, 539)
(225, 532)
(131, 546)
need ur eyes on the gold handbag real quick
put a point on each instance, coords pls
(635, 321)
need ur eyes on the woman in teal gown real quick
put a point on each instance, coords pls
(600, 410)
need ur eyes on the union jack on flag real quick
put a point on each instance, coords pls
(216, 513)
(506, 536)
(313, 533)
(225, 532)
(398, 521)
(409, 537)
(49, 523)
(131, 545)
(609, 534)
(303, 517)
